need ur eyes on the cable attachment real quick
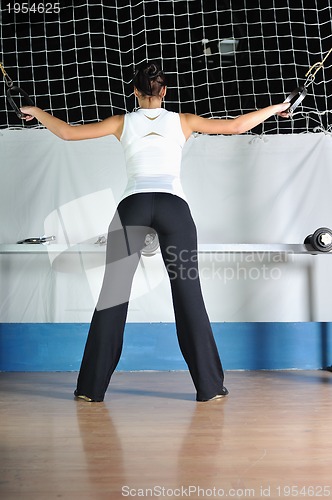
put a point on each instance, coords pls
(9, 82)
(15, 93)
(311, 73)
(297, 96)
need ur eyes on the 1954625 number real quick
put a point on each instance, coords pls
(39, 8)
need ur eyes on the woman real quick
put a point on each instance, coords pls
(152, 140)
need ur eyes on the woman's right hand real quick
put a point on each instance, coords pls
(282, 109)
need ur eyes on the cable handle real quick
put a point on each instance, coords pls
(12, 88)
(295, 98)
(29, 101)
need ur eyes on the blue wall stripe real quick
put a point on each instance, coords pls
(153, 346)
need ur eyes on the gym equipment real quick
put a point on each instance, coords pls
(151, 244)
(320, 240)
(295, 98)
(16, 92)
(298, 94)
(42, 240)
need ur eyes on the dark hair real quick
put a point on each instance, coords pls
(149, 79)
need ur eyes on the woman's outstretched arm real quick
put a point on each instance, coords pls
(110, 126)
(193, 123)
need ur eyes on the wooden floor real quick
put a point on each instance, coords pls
(150, 439)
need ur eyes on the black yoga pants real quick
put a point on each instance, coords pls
(170, 217)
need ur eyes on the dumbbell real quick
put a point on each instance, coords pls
(320, 240)
(151, 244)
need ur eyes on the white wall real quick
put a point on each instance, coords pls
(241, 189)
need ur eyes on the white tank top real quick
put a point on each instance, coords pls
(152, 141)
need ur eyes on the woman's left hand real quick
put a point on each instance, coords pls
(28, 112)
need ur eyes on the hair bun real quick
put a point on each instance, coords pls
(149, 79)
(153, 71)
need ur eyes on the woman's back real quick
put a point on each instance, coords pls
(152, 140)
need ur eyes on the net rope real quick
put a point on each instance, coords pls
(222, 57)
